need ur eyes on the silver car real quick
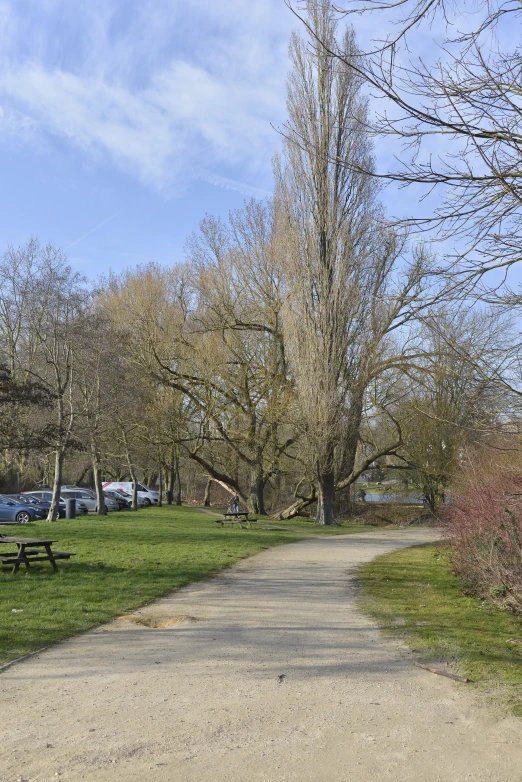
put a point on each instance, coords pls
(46, 496)
(88, 498)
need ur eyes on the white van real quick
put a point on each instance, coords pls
(148, 496)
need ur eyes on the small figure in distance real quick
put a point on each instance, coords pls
(234, 504)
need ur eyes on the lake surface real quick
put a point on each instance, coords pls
(405, 499)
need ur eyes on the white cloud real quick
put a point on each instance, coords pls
(232, 184)
(164, 92)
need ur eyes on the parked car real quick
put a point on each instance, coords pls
(88, 497)
(28, 499)
(14, 510)
(81, 507)
(123, 502)
(150, 496)
(128, 498)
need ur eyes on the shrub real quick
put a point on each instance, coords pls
(484, 525)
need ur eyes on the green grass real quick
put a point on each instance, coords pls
(412, 593)
(122, 561)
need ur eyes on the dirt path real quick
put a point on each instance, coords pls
(203, 700)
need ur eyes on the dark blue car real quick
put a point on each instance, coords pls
(28, 499)
(14, 510)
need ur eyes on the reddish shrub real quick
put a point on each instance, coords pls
(484, 525)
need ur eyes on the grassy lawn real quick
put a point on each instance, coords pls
(413, 594)
(122, 561)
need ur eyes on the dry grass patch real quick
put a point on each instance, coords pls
(159, 622)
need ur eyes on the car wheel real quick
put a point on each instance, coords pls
(147, 502)
(23, 517)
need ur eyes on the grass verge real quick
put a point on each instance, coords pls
(413, 594)
(122, 561)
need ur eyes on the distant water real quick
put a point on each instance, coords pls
(405, 499)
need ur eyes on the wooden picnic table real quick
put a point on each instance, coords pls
(30, 550)
(236, 517)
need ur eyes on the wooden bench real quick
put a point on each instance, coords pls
(29, 551)
(8, 559)
(236, 518)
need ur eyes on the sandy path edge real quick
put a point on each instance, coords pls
(201, 698)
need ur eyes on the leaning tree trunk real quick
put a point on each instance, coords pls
(325, 500)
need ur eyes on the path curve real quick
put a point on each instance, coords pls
(201, 700)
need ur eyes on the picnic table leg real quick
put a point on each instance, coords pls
(21, 558)
(50, 555)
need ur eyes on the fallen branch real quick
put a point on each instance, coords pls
(443, 673)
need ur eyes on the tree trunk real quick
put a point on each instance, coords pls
(170, 485)
(206, 501)
(178, 481)
(57, 484)
(160, 493)
(100, 499)
(80, 476)
(132, 472)
(256, 502)
(134, 489)
(325, 501)
(294, 509)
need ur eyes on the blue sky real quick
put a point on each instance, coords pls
(122, 122)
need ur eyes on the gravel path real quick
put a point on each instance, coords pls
(272, 675)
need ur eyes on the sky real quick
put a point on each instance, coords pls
(123, 122)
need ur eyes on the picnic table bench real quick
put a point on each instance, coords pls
(236, 517)
(30, 550)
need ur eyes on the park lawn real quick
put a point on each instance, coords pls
(122, 561)
(412, 593)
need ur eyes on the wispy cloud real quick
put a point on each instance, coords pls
(163, 91)
(232, 184)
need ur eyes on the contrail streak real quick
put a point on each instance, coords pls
(93, 229)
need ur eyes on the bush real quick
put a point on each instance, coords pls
(484, 525)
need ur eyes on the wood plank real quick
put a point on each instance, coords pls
(41, 557)
(27, 541)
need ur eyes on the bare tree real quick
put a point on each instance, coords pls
(344, 291)
(459, 119)
(57, 303)
(97, 375)
(19, 431)
(41, 299)
(213, 333)
(451, 403)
